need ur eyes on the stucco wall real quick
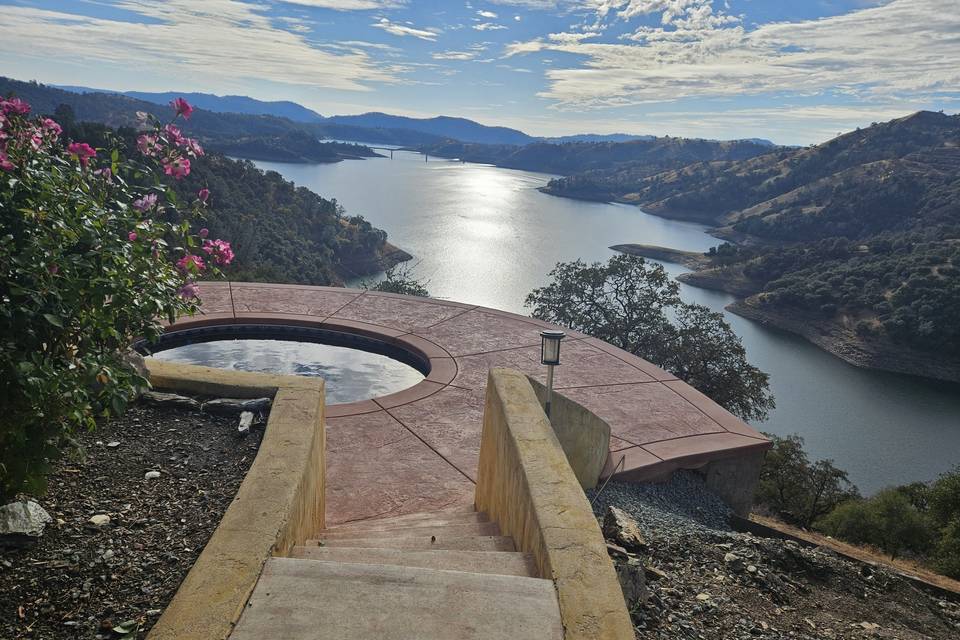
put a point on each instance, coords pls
(585, 438)
(280, 501)
(525, 484)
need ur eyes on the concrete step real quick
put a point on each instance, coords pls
(414, 520)
(425, 543)
(498, 562)
(304, 600)
(469, 529)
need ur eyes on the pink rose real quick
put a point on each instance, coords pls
(36, 139)
(132, 236)
(51, 127)
(148, 145)
(82, 152)
(189, 291)
(177, 167)
(173, 133)
(190, 263)
(204, 232)
(182, 108)
(202, 195)
(145, 203)
(5, 163)
(14, 105)
(192, 146)
(219, 251)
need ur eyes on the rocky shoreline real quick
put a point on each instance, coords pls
(847, 345)
(834, 338)
(689, 259)
(388, 256)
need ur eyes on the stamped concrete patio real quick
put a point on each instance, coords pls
(417, 450)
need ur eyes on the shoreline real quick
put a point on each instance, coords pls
(844, 343)
(833, 337)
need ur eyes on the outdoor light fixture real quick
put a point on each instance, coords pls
(550, 356)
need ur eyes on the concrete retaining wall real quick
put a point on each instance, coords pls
(279, 503)
(585, 438)
(525, 483)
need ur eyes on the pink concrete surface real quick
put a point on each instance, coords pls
(416, 450)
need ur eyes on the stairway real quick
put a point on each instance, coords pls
(429, 576)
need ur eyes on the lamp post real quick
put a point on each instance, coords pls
(550, 356)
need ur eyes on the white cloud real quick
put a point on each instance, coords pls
(904, 47)
(486, 14)
(399, 29)
(349, 5)
(214, 39)
(454, 55)
(489, 26)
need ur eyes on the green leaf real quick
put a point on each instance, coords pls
(54, 320)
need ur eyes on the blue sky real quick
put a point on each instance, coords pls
(793, 71)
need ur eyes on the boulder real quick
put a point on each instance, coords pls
(633, 582)
(170, 400)
(22, 522)
(235, 406)
(619, 527)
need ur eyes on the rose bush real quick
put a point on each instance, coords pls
(95, 251)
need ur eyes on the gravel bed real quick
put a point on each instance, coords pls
(702, 580)
(82, 580)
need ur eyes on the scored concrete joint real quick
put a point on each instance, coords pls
(420, 447)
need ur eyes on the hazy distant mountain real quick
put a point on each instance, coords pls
(222, 104)
(596, 137)
(446, 127)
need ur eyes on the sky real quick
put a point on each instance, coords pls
(793, 71)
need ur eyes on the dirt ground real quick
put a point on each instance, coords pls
(81, 580)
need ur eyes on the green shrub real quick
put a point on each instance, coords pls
(796, 489)
(944, 498)
(94, 252)
(946, 557)
(887, 520)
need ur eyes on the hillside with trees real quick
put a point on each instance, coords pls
(854, 243)
(259, 137)
(649, 155)
(280, 232)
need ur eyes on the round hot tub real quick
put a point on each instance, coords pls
(354, 367)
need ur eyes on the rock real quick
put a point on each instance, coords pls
(22, 522)
(136, 362)
(235, 406)
(622, 529)
(99, 520)
(113, 445)
(246, 420)
(653, 573)
(633, 582)
(170, 400)
(733, 561)
(616, 551)
(703, 597)
(151, 475)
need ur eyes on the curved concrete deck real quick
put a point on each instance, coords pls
(417, 450)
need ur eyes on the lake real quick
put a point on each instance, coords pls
(485, 235)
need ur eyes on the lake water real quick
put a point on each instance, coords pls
(485, 235)
(350, 374)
